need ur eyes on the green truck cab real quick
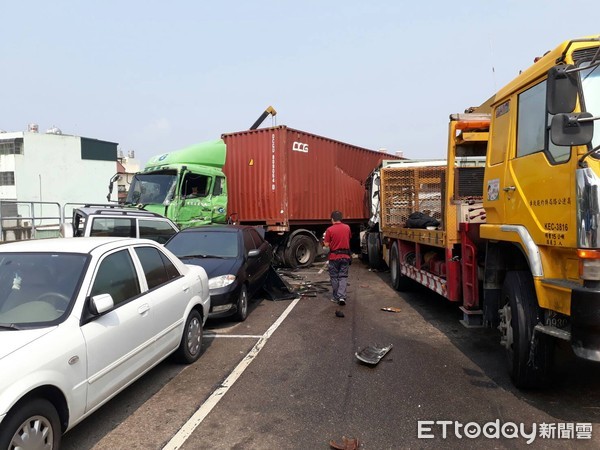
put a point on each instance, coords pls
(187, 186)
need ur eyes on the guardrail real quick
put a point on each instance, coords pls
(21, 220)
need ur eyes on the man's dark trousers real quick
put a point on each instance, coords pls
(338, 272)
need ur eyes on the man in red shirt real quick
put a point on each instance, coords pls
(337, 238)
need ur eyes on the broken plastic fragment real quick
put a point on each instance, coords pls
(391, 309)
(372, 354)
(347, 444)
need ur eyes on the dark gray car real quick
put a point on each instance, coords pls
(236, 259)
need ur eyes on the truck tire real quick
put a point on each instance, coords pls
(529, 362)
(374, 251)
(301, 252)
(399, 282)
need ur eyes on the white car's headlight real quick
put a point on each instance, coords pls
(221, 281)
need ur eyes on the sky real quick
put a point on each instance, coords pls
(156, 76)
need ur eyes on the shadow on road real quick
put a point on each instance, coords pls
(574, 395)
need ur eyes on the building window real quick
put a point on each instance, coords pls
(7, 178)
(11, 146)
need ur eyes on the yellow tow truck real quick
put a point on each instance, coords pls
(517, 205)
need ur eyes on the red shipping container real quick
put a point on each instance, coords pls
(281, 177)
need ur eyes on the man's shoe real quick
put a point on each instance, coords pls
(334, 300)
(342, 301)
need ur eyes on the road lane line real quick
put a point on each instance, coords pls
(254, 336)
(188, 428)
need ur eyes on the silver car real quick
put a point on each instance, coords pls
(81, 319)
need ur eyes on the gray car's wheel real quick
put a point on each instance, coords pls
(191, 340)
(242, 305)
(34, 425)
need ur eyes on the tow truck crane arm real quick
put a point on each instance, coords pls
(263, 116)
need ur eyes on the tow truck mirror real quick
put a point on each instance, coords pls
(572, 129)
(561, 89)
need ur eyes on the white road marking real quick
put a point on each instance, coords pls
(188, 428)
(214, 335)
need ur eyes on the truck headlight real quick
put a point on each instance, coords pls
(589, 264)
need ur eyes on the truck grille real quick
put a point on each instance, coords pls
(469, 183)
(584, 54)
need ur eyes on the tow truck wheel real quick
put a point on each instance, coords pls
(374, 251)
(399, 282)
(529, 361)
(301, 252)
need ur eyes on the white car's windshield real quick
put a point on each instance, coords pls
(37, 288)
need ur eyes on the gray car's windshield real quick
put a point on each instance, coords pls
(37, 288)
(204, 244)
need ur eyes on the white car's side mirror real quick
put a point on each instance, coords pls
(101, 303)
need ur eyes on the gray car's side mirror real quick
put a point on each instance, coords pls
(253, 253)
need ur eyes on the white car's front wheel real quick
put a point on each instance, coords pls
(33, 425)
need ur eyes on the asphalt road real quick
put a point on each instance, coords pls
(287, 378)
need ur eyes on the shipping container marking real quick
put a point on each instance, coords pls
(300, 147)
(273, 162)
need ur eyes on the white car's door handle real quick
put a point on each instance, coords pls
(185, 289)
(144, 309)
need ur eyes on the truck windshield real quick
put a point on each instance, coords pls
(152, 188)
(590, 82)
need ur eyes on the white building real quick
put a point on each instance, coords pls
(53, 168)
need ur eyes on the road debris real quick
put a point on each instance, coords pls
(391, 309)
(372, 354)
(325, 266)
(347, 444)
(276, 288)
(302, 286)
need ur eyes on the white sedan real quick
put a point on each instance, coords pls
(81, 319)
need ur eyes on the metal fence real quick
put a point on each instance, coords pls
(21, 220)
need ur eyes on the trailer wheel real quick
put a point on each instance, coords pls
(374, 251)
(301, 252)
(399, 282)
(529, 360)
